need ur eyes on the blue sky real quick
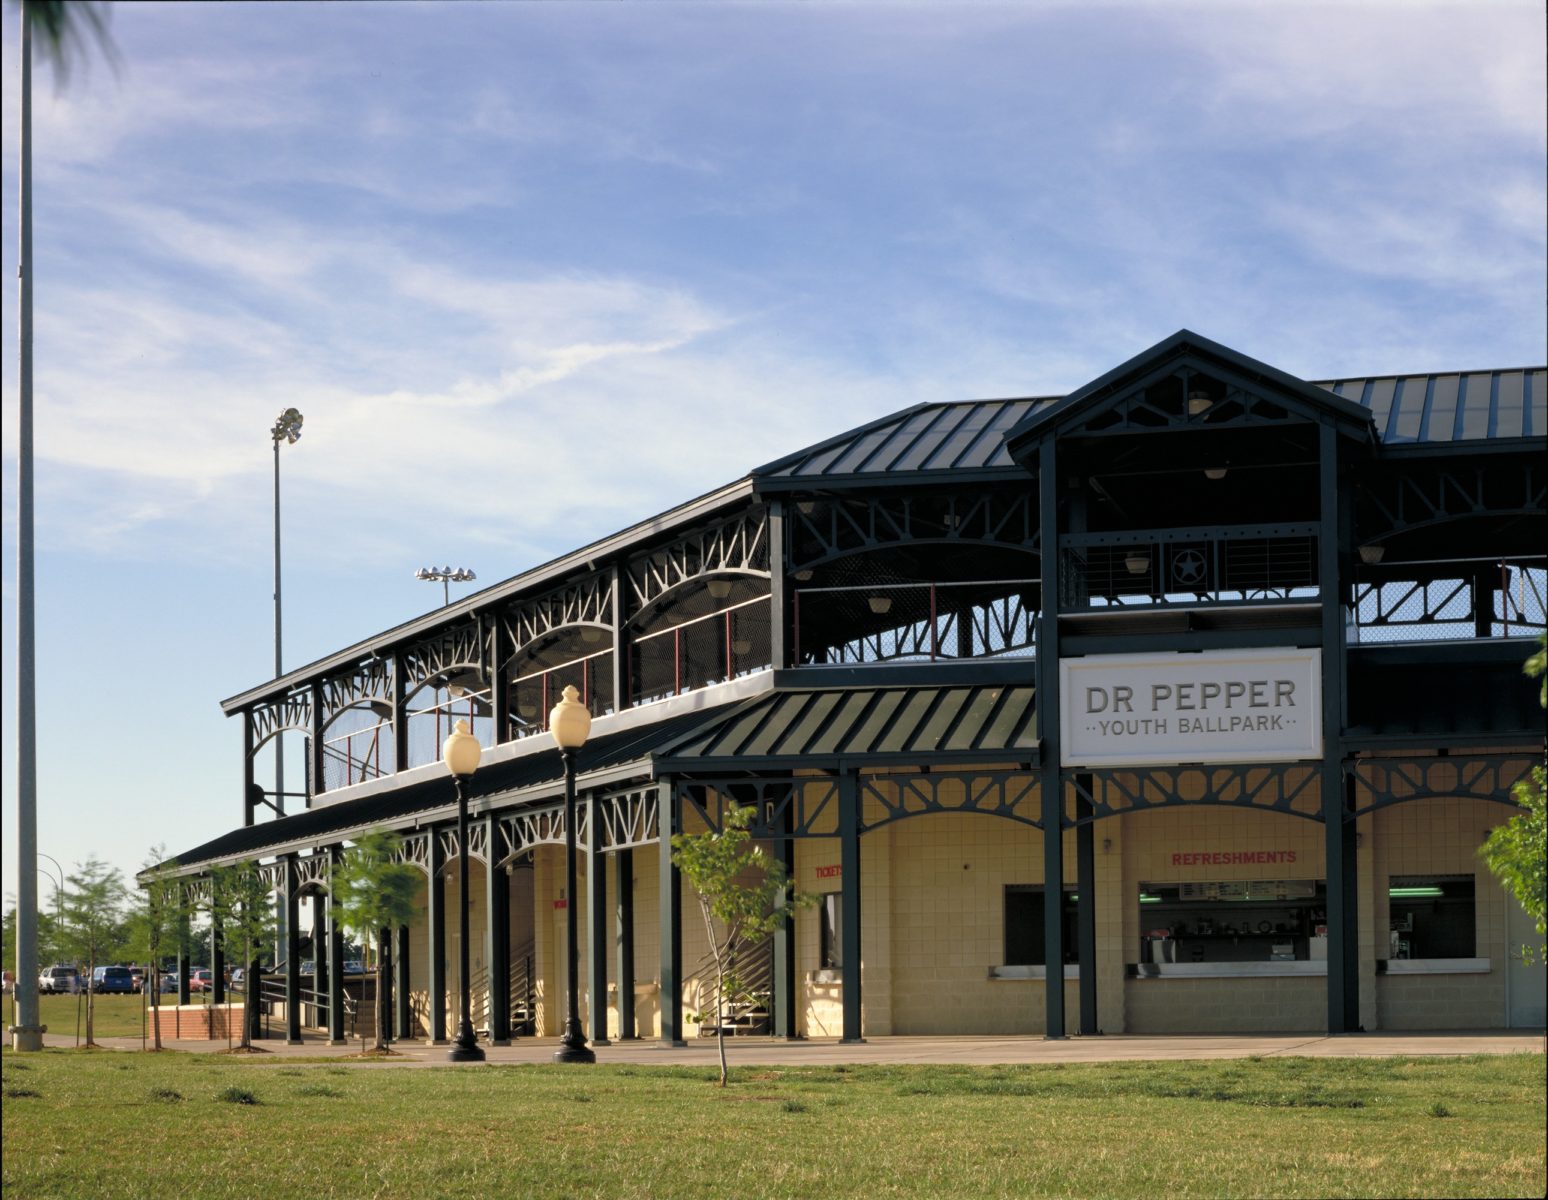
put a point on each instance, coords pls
(533, 272)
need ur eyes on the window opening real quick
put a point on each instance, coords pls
(1431, 916)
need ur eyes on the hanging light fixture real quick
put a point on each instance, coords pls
(1199, 402)
(803, 576)
(719, 588)
(1136, 562)
(1214, 472)
(1372, 554)
(880, 605)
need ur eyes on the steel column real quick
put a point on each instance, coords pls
(402, 1000)
(1085, 916)
(497, 938)
(184, 958)
(292, 881)
(778, 586)
(670, 1000)
(620, 651)
(1343, 980)
(335, 956)
(315, 783)
(784, 935)
(849, 870)
(249, 783)
(400, 746)
(597, 920)
(435, 911)
(623, 862)
(252, 999)
(1051, 783)
(217, 962)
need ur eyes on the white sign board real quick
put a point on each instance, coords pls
(1165, 709)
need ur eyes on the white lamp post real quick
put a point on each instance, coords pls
(570, 723)
(460, 753)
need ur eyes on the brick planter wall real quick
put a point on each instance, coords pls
(198, 1021)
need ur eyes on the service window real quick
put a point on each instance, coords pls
(831, 914)
(1431, 916)
(1024, 935)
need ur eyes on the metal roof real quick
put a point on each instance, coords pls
(818, 727)
(970, 435)
(541, 770)
(1463, 406)
(967, 435)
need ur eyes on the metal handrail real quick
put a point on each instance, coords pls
(755, 966)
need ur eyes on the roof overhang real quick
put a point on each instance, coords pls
(1187, 347)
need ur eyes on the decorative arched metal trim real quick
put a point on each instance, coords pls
(740, 544)
(1013, 795)
(1388, 781)
(796, 806)
(538, 827)
(416, 851)
(312, 875)
(841, 528)
(1288, 788)
(587, 603)
(478, 843)
(292, 713)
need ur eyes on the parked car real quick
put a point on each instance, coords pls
(138, 975)
(54, 980)
(353, 966)
(105, 980)
(201, 980)
(168, 982)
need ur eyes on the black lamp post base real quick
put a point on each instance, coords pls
(573, 1048)
(465, 1048)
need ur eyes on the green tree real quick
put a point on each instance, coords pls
(242, 910)
(376, 892)
(739, 888)
(1517, 851)
(93, 913)
(64, 27)
(154, 922)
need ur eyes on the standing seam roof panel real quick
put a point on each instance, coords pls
(831, 738)
(942, 721)
(734, 736)
(1411, 414)
(1475, 413)
(925, 428)
(900, 733)
(1014, 716)
(931, 439)
(972, 455)
(1378, 398)
(1510, 415)
(981, 707)
(1443, 412)
(876, 722)
(802, 731)
(953, 451)
(1429, 404)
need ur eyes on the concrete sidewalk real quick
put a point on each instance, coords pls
(755, 1051)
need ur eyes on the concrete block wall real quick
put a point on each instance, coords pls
(1274, 1004)
(1151, 838)
(1441, 837)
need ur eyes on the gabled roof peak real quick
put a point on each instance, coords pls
(1211, 359)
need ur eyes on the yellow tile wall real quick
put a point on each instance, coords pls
(1441, 837)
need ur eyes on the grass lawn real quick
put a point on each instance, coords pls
(103, 1123)
(116, 1016)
